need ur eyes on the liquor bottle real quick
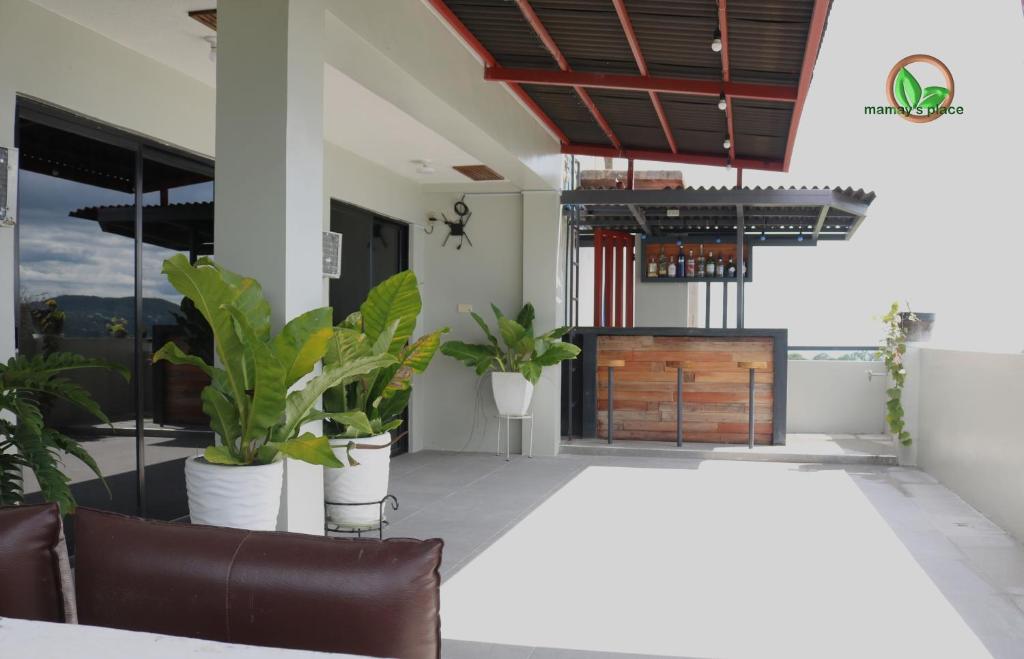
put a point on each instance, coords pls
(652, 267)
(691, 266)
(662, 263)
(711, 264)
(732, 268)
(720, 268)
(671, 268)
(680, 264)
(700, 263)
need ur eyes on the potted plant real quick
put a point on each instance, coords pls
(26, 441)
(516, 366)
(917, 327)
(364, 411)
(237, 482)
(894, 347)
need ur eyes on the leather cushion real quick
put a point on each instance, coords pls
(31, 546)
(369, 597)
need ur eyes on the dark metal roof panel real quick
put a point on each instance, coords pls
(501, 28)
(589, 35)
(633, 117)
(566, 109)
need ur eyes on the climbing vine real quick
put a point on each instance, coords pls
(894, 347)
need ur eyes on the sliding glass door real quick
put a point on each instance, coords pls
(99, 212)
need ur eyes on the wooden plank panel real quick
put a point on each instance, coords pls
(714, 392)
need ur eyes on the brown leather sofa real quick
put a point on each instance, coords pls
(367, 597)
(35, 580)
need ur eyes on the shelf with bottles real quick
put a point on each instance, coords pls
(661, 262)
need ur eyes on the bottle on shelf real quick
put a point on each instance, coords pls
(711, 264)
(680, 264)
(731, 272)
(662, 263)
(700, 263)
(671, 268)
(720, 268)
(691, 266)
(652, 267)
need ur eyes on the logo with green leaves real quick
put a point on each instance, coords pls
(915, 102)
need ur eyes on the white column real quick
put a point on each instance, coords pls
(270, 169)
(544, 236)
(8, 302)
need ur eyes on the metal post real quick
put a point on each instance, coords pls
(725, 304)
(679, 407)
(750, 414)
(740, 231)
(707, 305)
(598, 277)
(611, 403)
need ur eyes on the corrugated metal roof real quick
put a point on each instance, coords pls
(767, 40)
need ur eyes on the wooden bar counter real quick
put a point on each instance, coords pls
(715, 387)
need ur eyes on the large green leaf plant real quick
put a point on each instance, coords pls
(248, 401)
(372, 403)
(25, 440)
(519, 351)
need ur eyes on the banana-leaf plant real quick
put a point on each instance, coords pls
(25, 440)
(521, 351)
(248, 401)
(372, 403)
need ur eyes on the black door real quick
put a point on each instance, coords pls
(372, 249)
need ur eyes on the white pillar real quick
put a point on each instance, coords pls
(8, 302)
(269, 188)
(544, 236)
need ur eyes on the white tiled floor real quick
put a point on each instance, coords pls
(532, 526)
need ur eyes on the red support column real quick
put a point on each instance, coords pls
(630, 182)
(630, 277)
(609, 282)
(620, 244)
(598, 276)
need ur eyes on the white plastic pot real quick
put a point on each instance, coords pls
(512, 393)
(237, 496)
(365, 483)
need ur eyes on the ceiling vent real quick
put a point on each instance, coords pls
(207, 17)
(478, 172)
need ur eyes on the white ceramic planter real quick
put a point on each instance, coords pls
(363, 483)
(240, 497)
(512, 393)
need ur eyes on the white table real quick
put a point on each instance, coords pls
(49, 640)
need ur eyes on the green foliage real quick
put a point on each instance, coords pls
(522, 352)
(372, 403)
(248, 401)
(909, 95)
(894, 347)
(26, 442)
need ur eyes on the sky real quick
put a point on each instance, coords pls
(945, 232)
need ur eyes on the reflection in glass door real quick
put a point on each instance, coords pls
(99, 212)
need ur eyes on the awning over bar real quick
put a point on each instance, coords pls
(771, 216)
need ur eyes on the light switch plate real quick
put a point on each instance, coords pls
(465, 308)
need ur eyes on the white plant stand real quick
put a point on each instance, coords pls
(508, 432)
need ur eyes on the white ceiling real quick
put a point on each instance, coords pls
(355, 118)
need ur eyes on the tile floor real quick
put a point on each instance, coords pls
(970, 586)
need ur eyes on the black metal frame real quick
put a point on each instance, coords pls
(381, 522)
(144, 148)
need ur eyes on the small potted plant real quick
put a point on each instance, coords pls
(516, 363)
(237, 482)
(364, 411)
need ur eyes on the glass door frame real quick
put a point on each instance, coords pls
(144, 148)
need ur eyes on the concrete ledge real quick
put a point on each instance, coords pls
(629, 449)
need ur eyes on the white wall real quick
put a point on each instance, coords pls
(971, 429)
(53, 59)
(835, 397)
(447, 395)
(657, 305)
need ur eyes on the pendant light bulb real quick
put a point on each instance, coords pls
(721, 102)
(716, 42)
(727, 143)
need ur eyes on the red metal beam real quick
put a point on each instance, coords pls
(630, 276)
(641, 65)
(667, 156)
(761, 92)
(598, 276)
(630, 181)
(723, 28)
(620, 244)
(609, 281)
(545, 37)
(489, 61)
(814, 35)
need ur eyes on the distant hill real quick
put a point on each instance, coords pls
(88, 315)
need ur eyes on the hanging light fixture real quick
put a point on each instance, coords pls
(721, 102)
(716, 42)
(727, 143)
